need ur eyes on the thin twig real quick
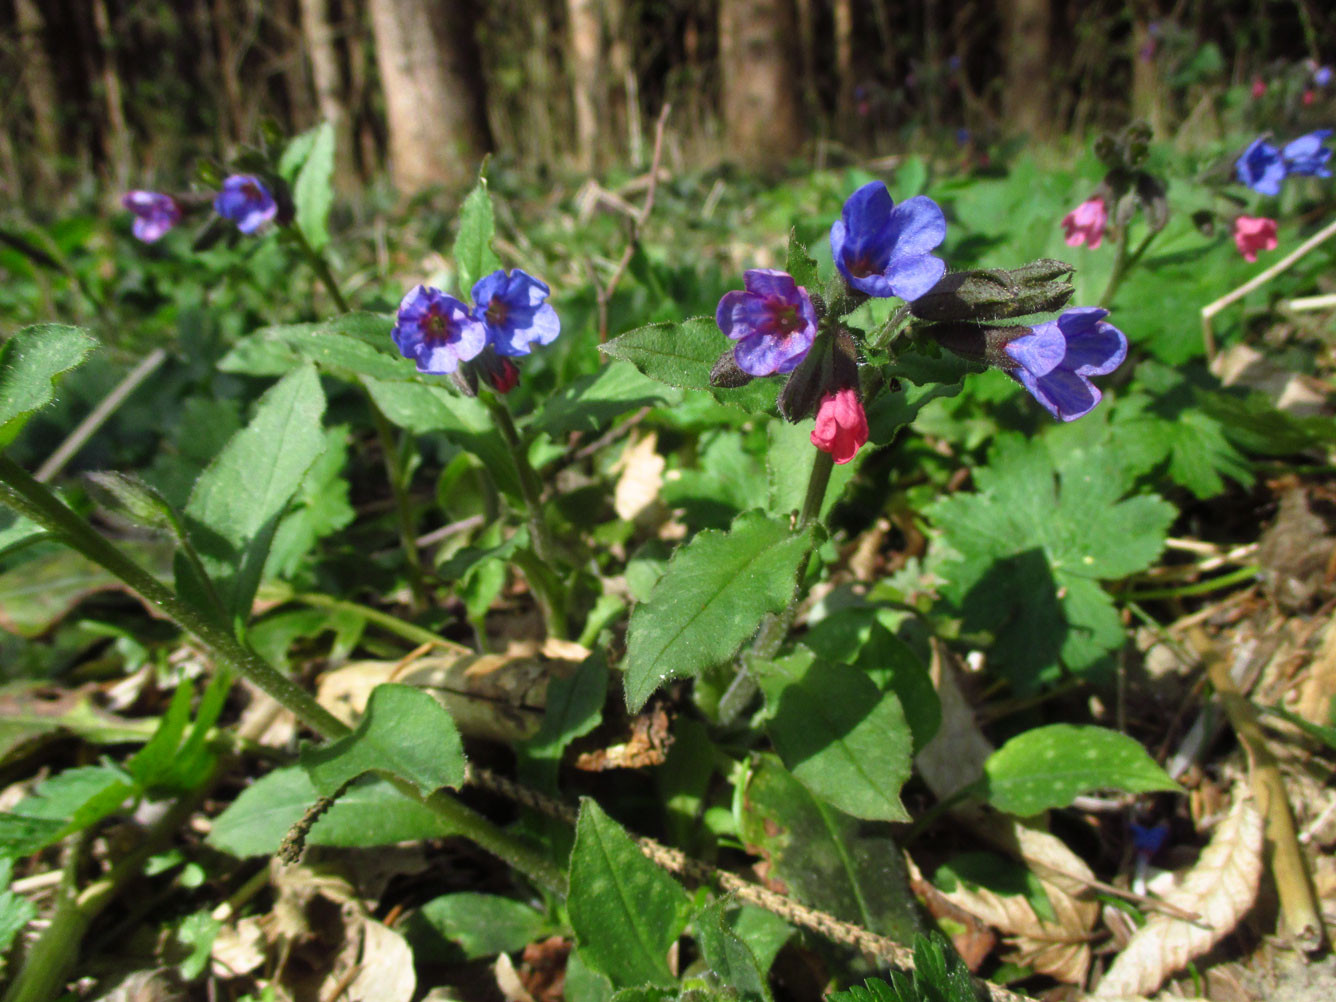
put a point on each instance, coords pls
(98, 416)
(605, 293)
(1256, 282)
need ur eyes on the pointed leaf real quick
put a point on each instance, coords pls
(31, 362)
(313, 193)
(474, 256)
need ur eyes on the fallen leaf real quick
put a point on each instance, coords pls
(385, 972)
(641, 479)
(1221, 889)
(508, 980)
(648, 745)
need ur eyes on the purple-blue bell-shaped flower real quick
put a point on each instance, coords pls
(513, 310)
(154, 213)
(773, 322)
(246, 201)
(884, 249)
(1306, 155)
(1261, 168)
(1055, 360)
(437, 331)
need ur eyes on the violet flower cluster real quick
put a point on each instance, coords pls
(1263, 167)
(1054, 360)
(511, 315)
(244, 199)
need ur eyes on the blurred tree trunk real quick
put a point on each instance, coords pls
(224, 28)
(117, 144)
(843, 12)
(39, 85)
(759, 95)
(586, 67)
(327, 77)
(1025, 97)
(429, 71)
(1145, 70)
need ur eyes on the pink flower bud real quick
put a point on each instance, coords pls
(1085, 223)
(1258, 87)
(1253, 234)
(841, 425)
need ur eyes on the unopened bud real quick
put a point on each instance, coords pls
(501, 374)
(831, 365)
(978, 343)
(1038, 287)
(727, 374)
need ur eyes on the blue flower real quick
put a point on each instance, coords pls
(1054, 360)
(512, 309)
(154, 213)
(883, 249)
(1322, 76)
(773, 322)
(1261, 168)
(246, 201)
(1307, 155)
(437, 331)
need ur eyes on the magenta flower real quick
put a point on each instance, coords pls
(513, 310)
(1253, 234)
(884, 249)
(437, 331)
(154, 213)
(773, 322)
(1056, 358)
(246, 201)
(841, 425)
(1085, 224)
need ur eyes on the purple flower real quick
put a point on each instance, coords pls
(512, 309)
(437, 331)
(155, 214)
(773, 322)
(884, 249)
(1054, 360)
(1307, 155)
(1149, 839)
(1261, 168)
(246, 201)
(1322, 76)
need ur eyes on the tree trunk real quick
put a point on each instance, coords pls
(117, 144)
(39, 85)
(1145, 70)
(428, 61)
(586, 55)
(1025, 101)
(759, 82)
(229, 70)
(327, 77)
(843, 13)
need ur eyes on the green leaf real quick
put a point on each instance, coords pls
(788, 464)
(68, 802)
(728, 955)
(840, 737)
(474, 257)
(197, 932)
(939, 975)
(583, 983)
(574, 708)
(129, 496)
(295, 154)
(999, 874)
(40, 592)
(17, 531)
(710, 600)
(31, 363)
(371, 813)
(313, 192)
(16, 912)
(626, 912)
(469, 926)
(826, 859)
(682, 355)
(1049, 767)
(28, 716)
(236, 505)
(167, 763)
(404, 732)
(590, 403)
(799, 264)
(319, 508)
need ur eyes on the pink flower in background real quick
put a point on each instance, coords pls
(841, 425)
(1258, 87)
(1253, 234)
(1309, 97)
(1085, 223)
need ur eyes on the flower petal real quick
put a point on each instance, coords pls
(917, 226)
(911, 277)
(1066, 395)
(1039, 352)
(770, 282)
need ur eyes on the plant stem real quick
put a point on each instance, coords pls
(394, 472)
(817, 482)
(321, 267)
(408, 631)
(1123, 264)
(35, 501)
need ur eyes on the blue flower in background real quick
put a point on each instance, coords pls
(154, 213)
(773, 322)
(437, 331)
(246, 201)
(1261, 168)
(513, 310)
(884, 249)
(1322, 76)
(1056, 358)
(1307, 155)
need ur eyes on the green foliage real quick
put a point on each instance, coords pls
(172, 760)
(16, 911)
(468, 926)
(841, 737)
(31, 363)
(66, 803)
(1033, 544)
(473, 252)
(1050, 766)
(728, 954)
(710, 600)
(404, 732)
(313, 191)
(939, 976)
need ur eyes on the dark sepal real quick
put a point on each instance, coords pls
(832, 364)
(976, 342)
(465, 378)
(501, 374)
(727, 375)
(996, 294)
(1154, 200)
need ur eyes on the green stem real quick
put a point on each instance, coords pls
(35, 501)
(817, 483)
(393, 624)
(1123, 264)
(394, 472)
(889, 331)
(1197, 588)
(321, 267)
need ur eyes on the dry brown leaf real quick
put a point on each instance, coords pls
(238, 949)
(954, 758)
(641, 478)
(385, 969)
(508, 980)
(1220, 888)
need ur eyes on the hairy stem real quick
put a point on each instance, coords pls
(394, 472)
